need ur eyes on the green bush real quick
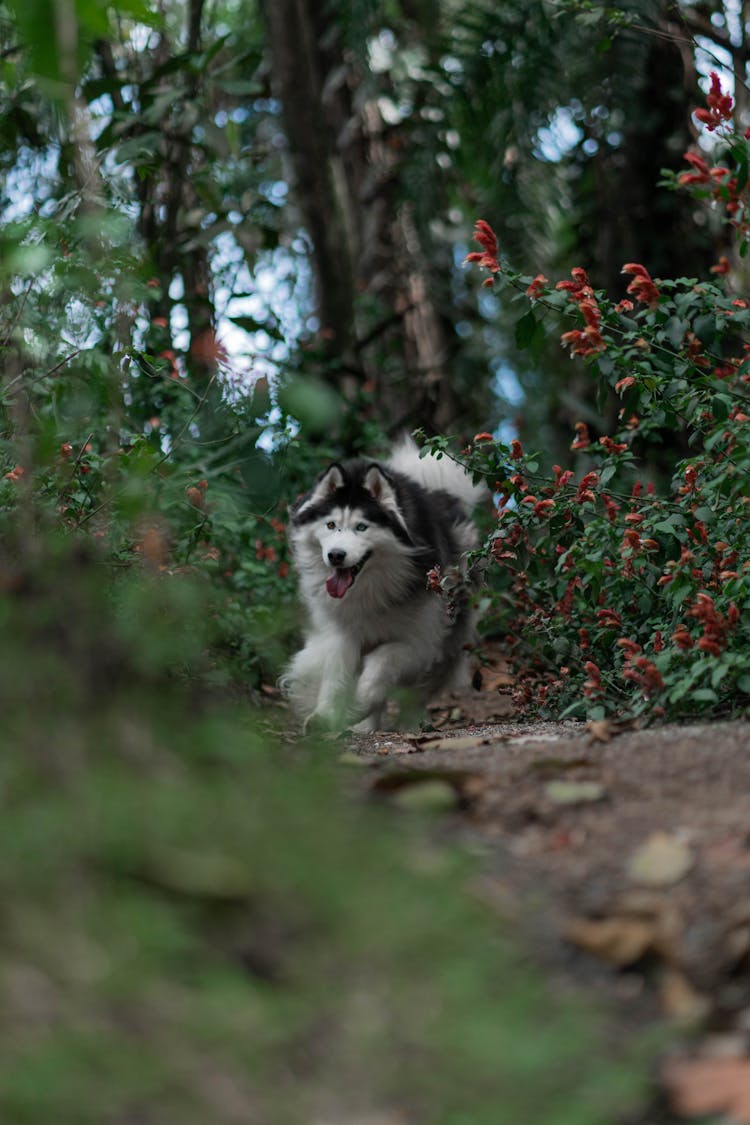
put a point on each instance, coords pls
(624, 595)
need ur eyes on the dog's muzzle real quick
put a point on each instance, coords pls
(343, 577)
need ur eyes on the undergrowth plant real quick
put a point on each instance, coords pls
(622, 596)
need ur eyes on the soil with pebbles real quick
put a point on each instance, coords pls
(623, 854)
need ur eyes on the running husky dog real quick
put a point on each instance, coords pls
(363, 541)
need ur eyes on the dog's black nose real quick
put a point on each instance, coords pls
(336, 558)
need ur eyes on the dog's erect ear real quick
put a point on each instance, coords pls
(383, 492)
(324, 487)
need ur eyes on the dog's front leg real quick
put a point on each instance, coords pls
(384, 668)
(336, 663)
(319, 681)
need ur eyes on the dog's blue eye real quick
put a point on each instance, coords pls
(330, 525)
(361, 527)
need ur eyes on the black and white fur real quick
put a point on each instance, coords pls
(363, 540)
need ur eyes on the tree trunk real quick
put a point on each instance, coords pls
(365, 244)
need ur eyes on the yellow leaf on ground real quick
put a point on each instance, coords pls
(662, 860)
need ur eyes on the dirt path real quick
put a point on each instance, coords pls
(625, 857)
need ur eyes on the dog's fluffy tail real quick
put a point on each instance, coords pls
(432, 473)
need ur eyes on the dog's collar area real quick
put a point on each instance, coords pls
(343, 577)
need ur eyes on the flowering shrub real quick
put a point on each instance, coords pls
(620, 598)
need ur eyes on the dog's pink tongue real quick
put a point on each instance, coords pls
(339, 582)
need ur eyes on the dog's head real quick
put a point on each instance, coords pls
(351, 513)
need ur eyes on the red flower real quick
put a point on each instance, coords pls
(642, 286)
(534, 290)
(584, 342)
(613, 446)
(702, 174)
(516, 450)
(562, 478)
(722, 266)
(434, 579)
(487, 258)
(623, 384)
(579, 287)
(682, 638)
(484, 436)
(585, 485)
(582, 441)
(719, 105)
(593, 685)
(485, 236)
(611, 507)
(589, 340)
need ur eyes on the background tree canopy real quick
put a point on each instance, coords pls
(284, 193)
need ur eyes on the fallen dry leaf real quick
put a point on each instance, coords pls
(429, 795)
(709, 1085)
(662, 860)
(431, 790)
(679, 999)
(619, 941)
(460, 742)
(574, 792)
(639, 923)
(495, 671)
(599, 730)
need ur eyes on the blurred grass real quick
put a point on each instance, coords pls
(199, 926)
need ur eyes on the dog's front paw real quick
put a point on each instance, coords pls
(366, 725)
(323, 722)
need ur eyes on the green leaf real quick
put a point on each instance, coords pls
(705, 695)
(743, 683)
(526, 330)
(704, 327)
(675, 330)
(672, 526)
(240, 86)
(720, 407)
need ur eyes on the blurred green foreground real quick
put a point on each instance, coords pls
(199, 925)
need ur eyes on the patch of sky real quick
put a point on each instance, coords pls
(101, 110)
(267, 105)
(556, 139)
(506, 385)
(381, 49)
(29, 183)
(451, 65)
(733, 13)
(275, 191)
(238, 116)
(277, 294)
